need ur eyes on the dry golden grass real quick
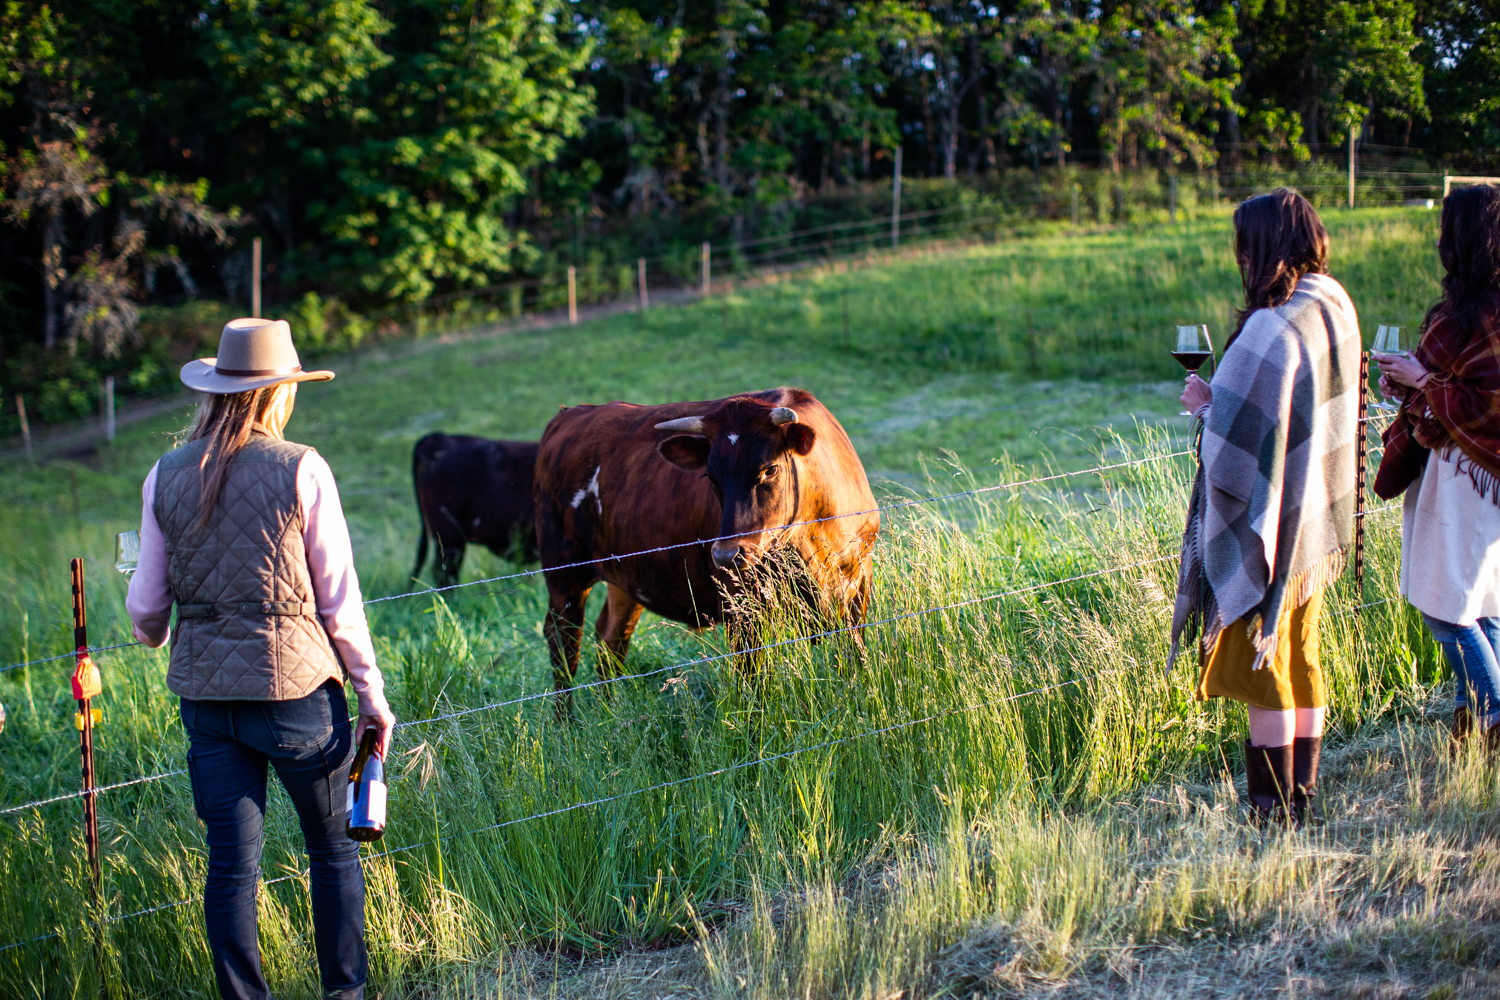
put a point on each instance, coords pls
(1393, 893)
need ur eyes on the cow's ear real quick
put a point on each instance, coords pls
(686, 451)
(800, 438)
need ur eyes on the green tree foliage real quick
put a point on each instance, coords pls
(1335, 65)
(390, 151)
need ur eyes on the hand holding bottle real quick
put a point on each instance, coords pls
(383, 722)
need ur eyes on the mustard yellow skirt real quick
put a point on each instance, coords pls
(1292, 678)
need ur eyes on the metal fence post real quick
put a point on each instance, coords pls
(87, 687)
(896, 203)
(1172, 205)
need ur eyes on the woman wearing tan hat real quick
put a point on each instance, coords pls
(244, 532)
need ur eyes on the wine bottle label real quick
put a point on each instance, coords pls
(377, 803)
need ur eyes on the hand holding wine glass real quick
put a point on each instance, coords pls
(1392, 352)
(1193, 349)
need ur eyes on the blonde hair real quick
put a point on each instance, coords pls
(227, 420)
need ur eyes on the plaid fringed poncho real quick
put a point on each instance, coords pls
(1272, 511)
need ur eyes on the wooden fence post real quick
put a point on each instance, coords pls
(255, 277)
(572, 296)
(704, 261)
(640, 277)
(896, 202)
(1351, 166)
(107, 391)
(25, 426)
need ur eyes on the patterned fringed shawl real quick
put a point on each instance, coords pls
(1456, 415)
(1272, 510)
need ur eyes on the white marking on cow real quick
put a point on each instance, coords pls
(592, 489)
(734, 439)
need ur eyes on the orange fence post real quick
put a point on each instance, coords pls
(86, 687)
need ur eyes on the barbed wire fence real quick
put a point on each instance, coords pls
(90, 794)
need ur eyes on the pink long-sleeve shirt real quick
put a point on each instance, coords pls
(330, 562)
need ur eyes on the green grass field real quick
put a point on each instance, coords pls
(1083, 838)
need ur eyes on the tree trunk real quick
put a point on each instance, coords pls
(950, 138)
(721, 107)
(927, 129)
(52, 275)
(705, 159)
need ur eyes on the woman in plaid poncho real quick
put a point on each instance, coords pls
(1272, 511)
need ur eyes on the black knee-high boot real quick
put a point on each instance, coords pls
(1268, 781)
(1305, 753)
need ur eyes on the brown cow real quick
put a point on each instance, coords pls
(623, 478)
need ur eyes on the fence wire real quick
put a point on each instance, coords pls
(523, 574)
(685, 665)
(603, 800)
(660, 786)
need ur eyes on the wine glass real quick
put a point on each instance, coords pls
(1390, 342)
(127, 551)
(1192, 350)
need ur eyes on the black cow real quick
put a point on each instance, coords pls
(472, 489)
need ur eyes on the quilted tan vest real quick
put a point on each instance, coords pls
(247, 625)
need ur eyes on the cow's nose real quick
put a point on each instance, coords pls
(726, 553)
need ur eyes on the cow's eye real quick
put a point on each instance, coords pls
(770, 472)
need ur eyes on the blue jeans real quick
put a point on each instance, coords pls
(1473, 651)
(309, 743)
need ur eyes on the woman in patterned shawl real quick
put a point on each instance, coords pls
(1272, 513)
(1445, 444)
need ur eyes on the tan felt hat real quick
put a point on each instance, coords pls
(253, 354)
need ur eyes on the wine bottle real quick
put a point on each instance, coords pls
(367, 791)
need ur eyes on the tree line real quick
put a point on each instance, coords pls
(387, 151)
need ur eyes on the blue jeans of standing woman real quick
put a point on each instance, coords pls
(309, 743)
(1473, 651)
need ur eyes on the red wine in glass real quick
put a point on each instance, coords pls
(1192, 360)
(1193, 350)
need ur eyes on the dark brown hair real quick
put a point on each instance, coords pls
(1470, 253)
(1278, 238)
(227, 420)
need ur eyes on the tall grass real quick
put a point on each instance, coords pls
(655, 865)
(772, 838)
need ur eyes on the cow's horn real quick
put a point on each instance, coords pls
(783, 415)
(688, 425)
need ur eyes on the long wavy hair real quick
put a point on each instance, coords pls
(227, 420)
(1469, 249)
(1278, 238)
